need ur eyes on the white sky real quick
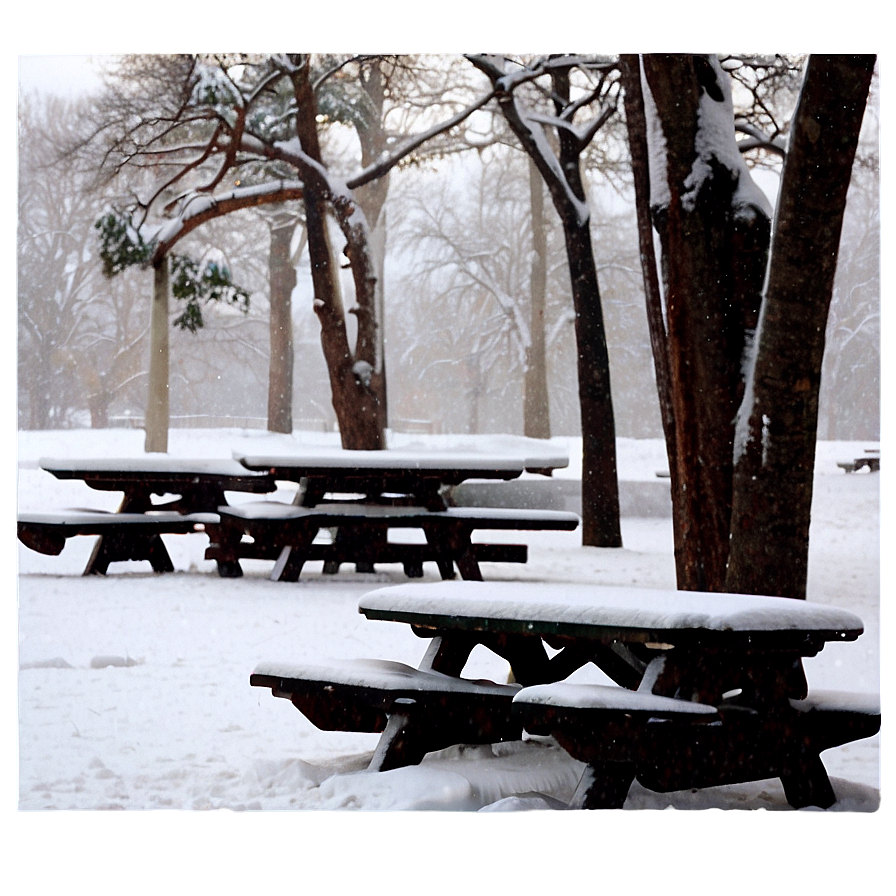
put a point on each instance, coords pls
(63, 75)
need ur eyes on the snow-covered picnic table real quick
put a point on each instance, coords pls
(363, 496)
(709, 688)
(193, 490)
(421, 478)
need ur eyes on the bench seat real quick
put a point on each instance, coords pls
(123, 536)
(285, 533)
(670, 744)
(424, 710)
(859, 463)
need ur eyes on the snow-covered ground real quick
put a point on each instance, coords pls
(133, 689)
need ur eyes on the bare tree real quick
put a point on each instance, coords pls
(250, 123)
(574, 84)
(80, 338)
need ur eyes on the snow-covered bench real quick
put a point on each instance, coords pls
(286, 533)
(420, 711)
(123, 536)
(871, 460)
(670, 744)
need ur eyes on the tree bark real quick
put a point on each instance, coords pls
(536, 404)
(157, 412)
(354, 381)
(777, 426)
(636, 124)
(282, 278)
(600, 488)
(714, 247)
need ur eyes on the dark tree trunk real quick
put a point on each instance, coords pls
(600, 488)
(354, 382)
(714, 252)
(636, 123)
(536, 405)
(282, 279)
(777, 431)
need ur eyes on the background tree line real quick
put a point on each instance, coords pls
(535, 256)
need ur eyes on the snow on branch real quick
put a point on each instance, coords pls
(390, 160)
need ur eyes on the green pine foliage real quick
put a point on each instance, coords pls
(122, 246)
(197, 285)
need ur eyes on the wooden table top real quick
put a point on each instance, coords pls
(600, 613)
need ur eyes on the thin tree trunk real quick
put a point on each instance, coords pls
(536, 405)
(600, 488)
(157, 412)
(636, 123)
(282, 278)
(777, 430)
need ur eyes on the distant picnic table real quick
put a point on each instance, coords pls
(870, 461)
(364, 497)
(193, 491)
(710, 688)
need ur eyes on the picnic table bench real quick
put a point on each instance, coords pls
(286, 533)
(194, 490)
(709, 688)
(870, 461)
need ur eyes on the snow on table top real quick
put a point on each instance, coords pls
(401, 460)
(151, 463)
(584, 696)
(609, 607)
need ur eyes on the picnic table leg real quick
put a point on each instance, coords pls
(604, 785)
(124, 546)
(453, 544)
(810, 785)
(400, 744)
(292, 557)
(448, 655)
(104, 552)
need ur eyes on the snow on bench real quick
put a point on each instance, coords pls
(123, 536)
(286, 533)
(871, 462)
(671, 744)
(611, 699)
(418, 711)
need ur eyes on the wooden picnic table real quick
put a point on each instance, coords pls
(709, 688)
(420, 478)
(362, 495)
(199, 484)
(195, 490)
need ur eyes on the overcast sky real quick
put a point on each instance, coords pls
(62, 75)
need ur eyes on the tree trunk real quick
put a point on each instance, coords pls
(353, 379)
(157, 413)
(600, 488)
(536, 405)
(282, 277)
(777, 426)
(600, 484)
(636, 123)
(714, 239)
